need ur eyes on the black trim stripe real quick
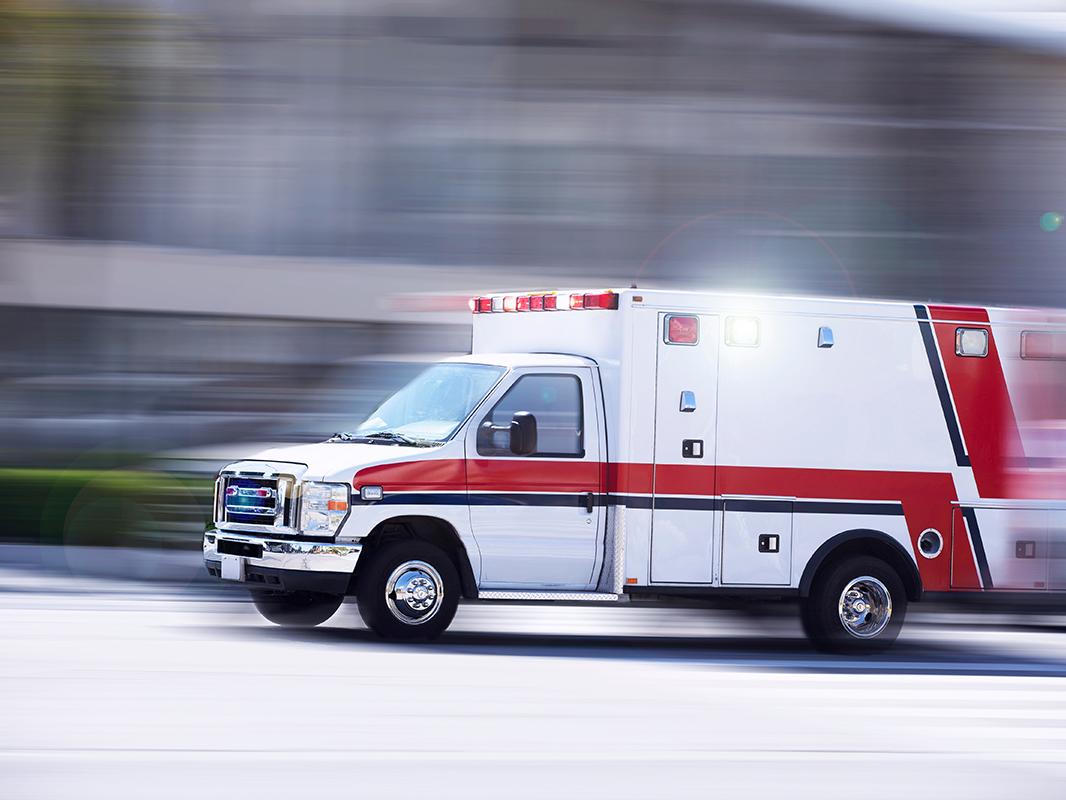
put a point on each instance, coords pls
(925, 325)
(970, 516)
(883, 509)
(489, 499)
(687, 503)
(831, 507)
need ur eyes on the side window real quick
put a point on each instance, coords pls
(555, 403)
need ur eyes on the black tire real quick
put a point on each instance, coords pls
(389, 615)
(297, 609)
(823, 617)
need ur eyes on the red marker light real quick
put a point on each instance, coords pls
(683, 330)
(536, 302)
(601, 300)
(551, 302)
(522, 302)
(484, 305)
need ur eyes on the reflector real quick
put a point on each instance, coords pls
(509, 303)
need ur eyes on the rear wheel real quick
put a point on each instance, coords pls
(297, 609)
(856, 605)
(408, 590)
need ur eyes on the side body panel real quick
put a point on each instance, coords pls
(686, 416)
(888, 429)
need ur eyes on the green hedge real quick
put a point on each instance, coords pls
(102, 507)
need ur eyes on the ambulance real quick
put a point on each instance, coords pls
(625, 445)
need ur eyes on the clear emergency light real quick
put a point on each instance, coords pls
(543, 301)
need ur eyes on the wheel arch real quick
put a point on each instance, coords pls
(429, 529)
(864, 541)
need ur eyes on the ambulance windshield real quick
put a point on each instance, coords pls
(430, 408)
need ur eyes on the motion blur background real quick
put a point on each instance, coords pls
(231, 222)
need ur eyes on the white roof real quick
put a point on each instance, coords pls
(510, 360)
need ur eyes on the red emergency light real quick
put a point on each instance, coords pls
(548, 301)
(607, 300)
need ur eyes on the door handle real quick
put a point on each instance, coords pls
(590, 501)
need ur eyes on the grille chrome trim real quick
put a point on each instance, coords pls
(283, 481)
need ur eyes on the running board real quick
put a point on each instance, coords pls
(569, 597)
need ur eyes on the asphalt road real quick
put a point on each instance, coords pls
(129, 690)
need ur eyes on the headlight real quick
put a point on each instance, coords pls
(323, 507)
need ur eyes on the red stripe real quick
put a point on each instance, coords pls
(490, 475)
(534, 475)
(430, 475)
(926, 496)
(958, 314)
(986, 415)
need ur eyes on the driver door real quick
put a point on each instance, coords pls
(537, 518)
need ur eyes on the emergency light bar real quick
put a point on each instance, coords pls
(542, 301)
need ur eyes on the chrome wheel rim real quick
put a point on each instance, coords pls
(414, 592)
(865, 607)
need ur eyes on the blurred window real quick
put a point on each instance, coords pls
(555, 403)
(433, 406)
(1044, 345)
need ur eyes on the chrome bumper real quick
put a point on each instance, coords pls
(288, 564)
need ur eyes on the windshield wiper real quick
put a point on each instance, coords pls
(383, 437)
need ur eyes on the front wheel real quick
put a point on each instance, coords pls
(297, 609)
(408, 590)
(855, 606)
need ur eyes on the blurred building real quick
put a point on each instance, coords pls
(312, 158)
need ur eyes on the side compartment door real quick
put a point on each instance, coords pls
(1008, 545)
(686, 413)
(537, 518)
(757, 541)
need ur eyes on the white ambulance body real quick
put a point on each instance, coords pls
(614, 445)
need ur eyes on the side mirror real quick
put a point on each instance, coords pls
(523, 433)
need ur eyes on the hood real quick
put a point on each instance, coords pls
(338, 461)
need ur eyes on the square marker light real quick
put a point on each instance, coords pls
(742, 331)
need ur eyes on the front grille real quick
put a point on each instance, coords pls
(254, 500)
